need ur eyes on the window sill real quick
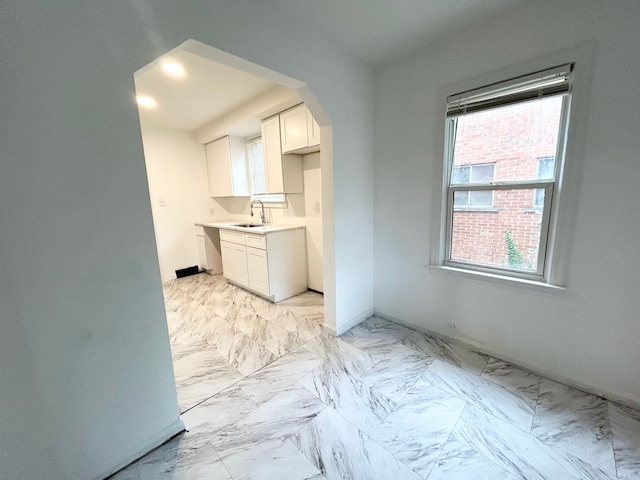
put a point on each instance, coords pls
(500, 279)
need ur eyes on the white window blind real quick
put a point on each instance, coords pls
(553, 81)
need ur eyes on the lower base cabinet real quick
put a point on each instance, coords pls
(208, 243)
(272, 265)
(234, 262)
(258, 270)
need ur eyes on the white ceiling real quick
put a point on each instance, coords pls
(374, 30)
(206, 92)
(377, 30)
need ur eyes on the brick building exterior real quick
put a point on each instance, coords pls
(517, 142)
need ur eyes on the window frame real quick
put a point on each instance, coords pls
(550, 208)
(469, 207)
(535, 205)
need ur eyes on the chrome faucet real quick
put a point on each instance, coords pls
(262, 217)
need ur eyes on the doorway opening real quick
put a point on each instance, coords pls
(209, 121)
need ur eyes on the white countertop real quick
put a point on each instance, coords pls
(260, 230)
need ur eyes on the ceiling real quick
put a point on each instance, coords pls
(374, 30)
(205, 92)
(378, 30)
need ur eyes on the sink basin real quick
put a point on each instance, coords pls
(247, 225)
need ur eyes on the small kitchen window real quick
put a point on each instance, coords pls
(504, 147)
(255, 154)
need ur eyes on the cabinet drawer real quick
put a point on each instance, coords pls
(233, 237)
(257, 241)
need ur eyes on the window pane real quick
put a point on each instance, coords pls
(538, 197)
(545, 167)
(460, 199)
(483, 198)
(256, 164)
(482, 173)
(460, 175)
(512, 138)
(506, 236)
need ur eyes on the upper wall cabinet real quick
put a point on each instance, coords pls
(299, 131)
(283, 173)
(227, 167)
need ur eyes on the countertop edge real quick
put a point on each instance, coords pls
(255, 230)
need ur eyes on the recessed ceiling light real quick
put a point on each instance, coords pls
(174, 69)
(146, 101)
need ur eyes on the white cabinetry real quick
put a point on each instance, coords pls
(313, 131)
(207, 240)
(283, 173)
(299, 131)
(203, 261)
(272, 265)
(227, 167)
(258, 270)
(234, 262)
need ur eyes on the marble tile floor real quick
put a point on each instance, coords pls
(266, 394)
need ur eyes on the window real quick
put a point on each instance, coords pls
(472, 174)
(255, 154)
(502, 142)
(545, 170)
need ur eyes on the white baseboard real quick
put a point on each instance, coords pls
(599, 392)
(349, 325)
(154, 442)
(330, 330)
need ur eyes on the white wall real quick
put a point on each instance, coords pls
(177, 173)
(77, 237)
(313, 212)
(24, 426)
(589, 333)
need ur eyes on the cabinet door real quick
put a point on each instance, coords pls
(313, 130)
(272, 155)
(228, 261)
(258, 269)
(203, 261)
(293, 129)
(240, 265)
(219, 168)
(234, 262)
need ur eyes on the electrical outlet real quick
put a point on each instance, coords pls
(316, 207)
(162, 202)
(211, 211)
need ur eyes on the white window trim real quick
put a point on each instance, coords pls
(271, 200)
(549, 227)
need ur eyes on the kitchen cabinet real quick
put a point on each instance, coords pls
(258, 270)
(313, 131)
(283, 173)
(272, 264)
(234, 262)
(203, 262)
(208, 241)
(227, 167)
(299, 131)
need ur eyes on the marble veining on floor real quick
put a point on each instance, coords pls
(266, 394)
